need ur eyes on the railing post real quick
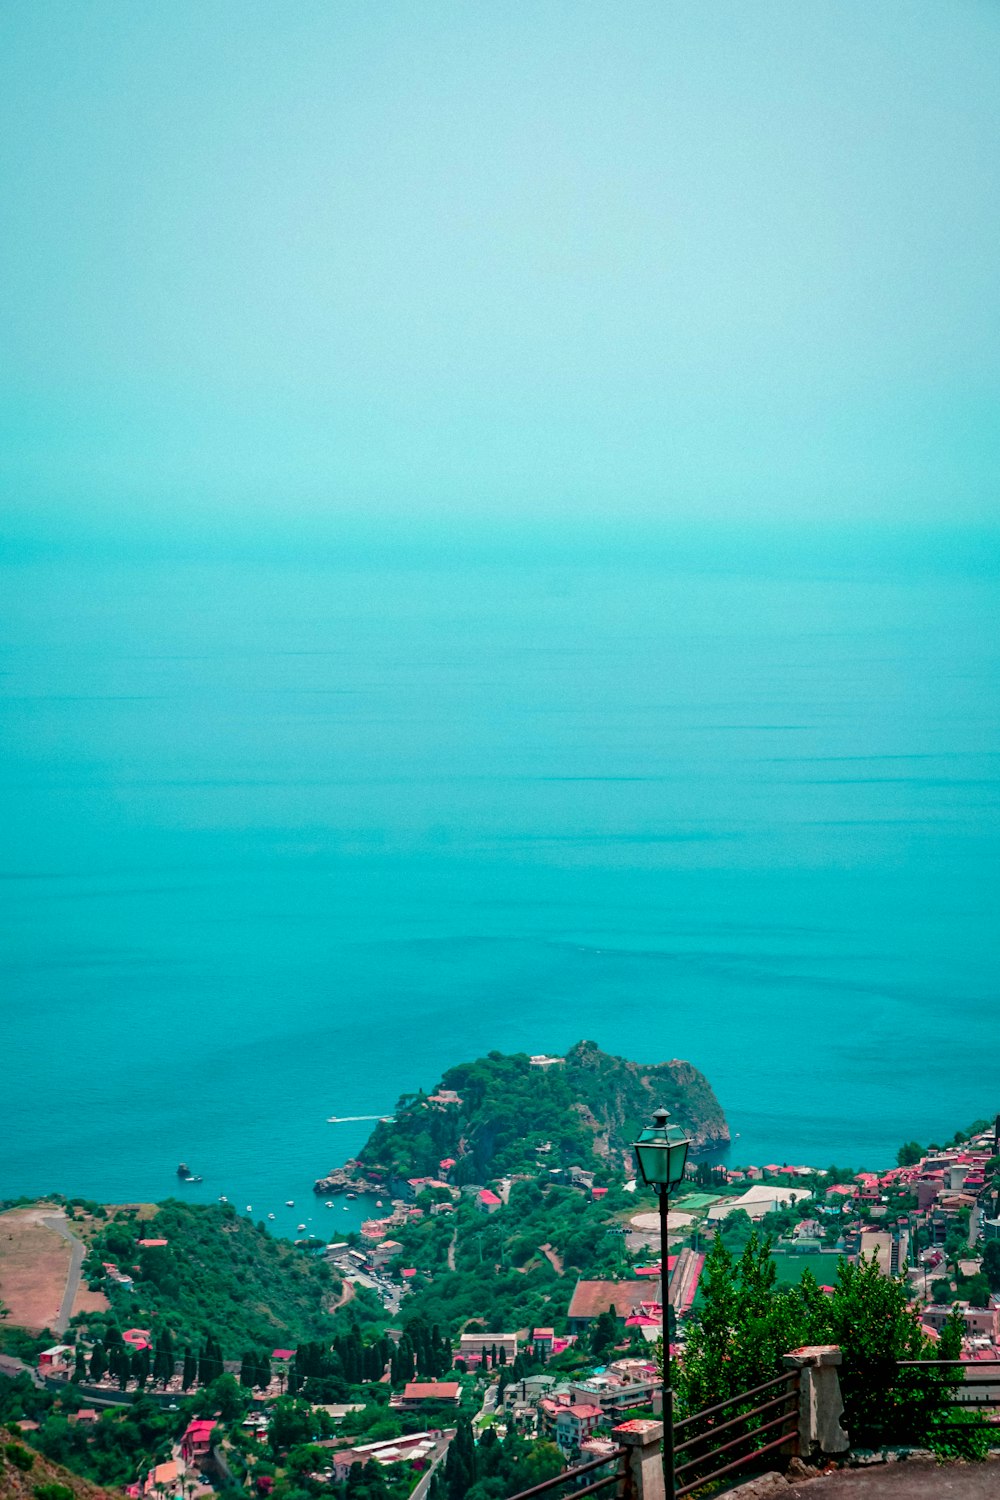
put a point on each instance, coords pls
(821, 1404)
(642, 1466)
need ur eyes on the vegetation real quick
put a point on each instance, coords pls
(511, 1115)
(218, 1274)
(747, 1323)
(492, 1469)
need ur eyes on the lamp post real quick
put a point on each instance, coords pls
(661, 1153)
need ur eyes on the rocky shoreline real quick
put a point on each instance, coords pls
(348, 1179)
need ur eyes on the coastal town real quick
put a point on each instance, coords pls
(526, 1311)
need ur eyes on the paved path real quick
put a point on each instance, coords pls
(11, 1366)
(912, 1480)
(77, 1250)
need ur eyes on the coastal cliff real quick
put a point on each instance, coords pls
(506, 1114)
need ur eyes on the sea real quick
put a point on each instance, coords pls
(289, 831)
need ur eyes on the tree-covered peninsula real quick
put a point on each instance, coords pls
(510, 1113)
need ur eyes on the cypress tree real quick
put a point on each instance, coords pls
(247, 1372)
(190, 1374)
(79, 1365)
(263, 1370)
(98, 1361)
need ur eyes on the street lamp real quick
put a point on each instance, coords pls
(661, 1152)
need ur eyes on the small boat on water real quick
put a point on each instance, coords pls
(223, 1198)
(270, 1216)
(300, 1227)
(249, 1208)
(185, 1173)
(378, 1202)
(289, 1202)
(328, 1203)
(352, 1195)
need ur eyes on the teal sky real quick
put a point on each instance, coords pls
(698, 261)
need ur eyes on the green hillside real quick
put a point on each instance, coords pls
(217, 1273)
(509, 1116)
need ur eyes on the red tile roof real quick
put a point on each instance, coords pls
(591, 1298)
(431, 1390)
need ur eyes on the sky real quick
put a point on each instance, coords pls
(283, 265)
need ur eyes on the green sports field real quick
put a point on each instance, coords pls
(692, 1203)
(790, 1267)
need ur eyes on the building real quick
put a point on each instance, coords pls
(416, 1392)
(591, 1298)
(163, 1479)
(980, 1322)
(573, 1424)
(542, 1060)
(475, 1343)
(757, 1201)
(487, 1202)
(381, 1255)
(196, 1444)
(542, 1338)
(615, 1395)
(51, 1359)
(413, 1447)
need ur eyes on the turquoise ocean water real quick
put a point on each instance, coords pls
(285, 838)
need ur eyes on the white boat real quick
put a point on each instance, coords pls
(249, 1208)
(300, 1227)
(328, 1203)
(344, 1207)
(289, 1202)
(223, 1198)
(270, 1216)
(378, 1202)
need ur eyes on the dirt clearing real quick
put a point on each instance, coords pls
(34, 1261)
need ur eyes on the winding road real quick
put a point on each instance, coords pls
(77, 1250)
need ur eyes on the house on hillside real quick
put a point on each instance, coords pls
(416, 1392)
(591, 1298)
(487, 1202)
(474, 1344)
(196, 1444)
(575, 1423)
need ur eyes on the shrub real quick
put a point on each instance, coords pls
(19, 1457)
(53, 1492)
(960, 1434)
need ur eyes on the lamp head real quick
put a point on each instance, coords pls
(661, 1152)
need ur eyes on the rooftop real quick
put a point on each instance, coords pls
(591, 1298)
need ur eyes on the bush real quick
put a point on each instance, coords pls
(53, 1492)
(19, 1457)
(960, 1434)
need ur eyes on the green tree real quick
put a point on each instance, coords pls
(292, 1423)
(98, 1361)
(163, 1359)
(460, 1465)
(909, 1154)
(604, 1333)
(991, 1264)
(190, 1372)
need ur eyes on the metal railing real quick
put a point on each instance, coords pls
(710, 1444)
(963, 1379)
(570, 1478)
(734, 1430)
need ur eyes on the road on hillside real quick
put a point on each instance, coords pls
(77, 1250)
